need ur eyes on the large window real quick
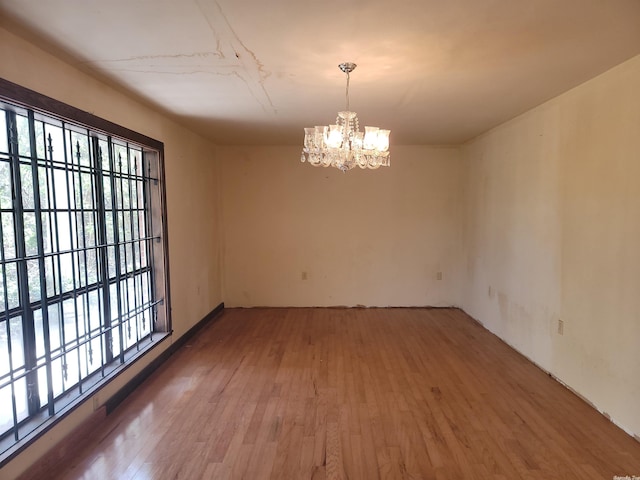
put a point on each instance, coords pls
(83, 285)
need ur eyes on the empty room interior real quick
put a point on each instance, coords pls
(199, 282)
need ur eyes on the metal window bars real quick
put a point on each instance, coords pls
(80, 261)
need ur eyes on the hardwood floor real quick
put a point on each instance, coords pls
(352, 393)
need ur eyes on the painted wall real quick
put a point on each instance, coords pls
(532, 222)
(192, 202)
(374, 238)
(552, 228)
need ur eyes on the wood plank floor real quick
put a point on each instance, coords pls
(352, 394)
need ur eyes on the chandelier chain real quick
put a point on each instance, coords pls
(347, 95)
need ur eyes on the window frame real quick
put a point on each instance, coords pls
(95, 127)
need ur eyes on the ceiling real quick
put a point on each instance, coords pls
(257, 71)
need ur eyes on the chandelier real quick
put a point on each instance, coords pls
(343, 145)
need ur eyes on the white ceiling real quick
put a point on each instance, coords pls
(258, 71)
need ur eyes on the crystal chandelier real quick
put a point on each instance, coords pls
(343, 145)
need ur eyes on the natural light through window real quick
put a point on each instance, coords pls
(82, 264)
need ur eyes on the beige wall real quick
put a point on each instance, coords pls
(532, 222)
(192, 203)
(552, 229)
(374, 238)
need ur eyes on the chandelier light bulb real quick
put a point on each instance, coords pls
(343, 145)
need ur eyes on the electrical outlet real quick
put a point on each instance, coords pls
(439, 276)
(305, 275)
(560, 327)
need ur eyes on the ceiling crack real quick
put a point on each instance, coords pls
(254, 70)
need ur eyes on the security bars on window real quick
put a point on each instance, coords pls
(81, 262)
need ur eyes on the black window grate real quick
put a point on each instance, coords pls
(82, 265)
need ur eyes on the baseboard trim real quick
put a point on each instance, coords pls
(633, 435)
(68, 445)
(115, 400)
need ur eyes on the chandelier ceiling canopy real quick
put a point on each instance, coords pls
(343, 145)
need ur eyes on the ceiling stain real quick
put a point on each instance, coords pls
(161, 57)
(252, 72)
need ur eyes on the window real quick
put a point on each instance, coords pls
(83, 267)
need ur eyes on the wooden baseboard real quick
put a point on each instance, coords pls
(65, 449)
(124, 392)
